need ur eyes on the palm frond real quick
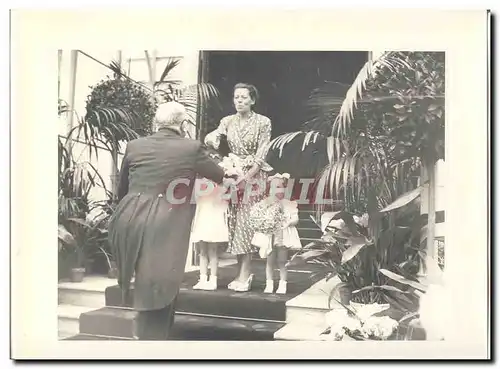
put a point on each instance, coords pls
(171, 64)
(323, 105)
(302, 154)
(355, 92)
(280, 141)
(117, 69)
(198, 96)
(108, 126)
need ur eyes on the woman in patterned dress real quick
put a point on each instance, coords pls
(248, 135)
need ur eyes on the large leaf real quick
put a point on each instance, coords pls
(383, 287)
(356, 244)
(302, 258)
(403, 199)
(326, 219)
(82, 222)
(348, 220)
(403, 280)
(328, 237)
(314, 220)
(65, 236)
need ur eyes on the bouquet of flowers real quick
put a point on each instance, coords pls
(360, 323)
(233, 165)
(265, 218)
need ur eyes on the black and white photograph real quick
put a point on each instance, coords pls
(278, 195)
(350, 138)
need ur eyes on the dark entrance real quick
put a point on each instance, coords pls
(284, 79)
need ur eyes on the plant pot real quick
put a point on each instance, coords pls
(113, 273)
(345, 294)
(342, 293)
(77, 275)
(89, 266)
(113, 270)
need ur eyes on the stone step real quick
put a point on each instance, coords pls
(223, 302)
(108, 321)
(307, 222)
(89, 292)
(337, 205)
(111, 322)
(91, 337)
(311, 306)
(309, 233)
(307, 240)
(300, 332)
(306, 214)
(223, 329)
(68, 319)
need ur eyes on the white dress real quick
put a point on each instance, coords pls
(210, 220)
(289, 236)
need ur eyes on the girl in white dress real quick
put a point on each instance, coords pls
(283, 240)
(209, 230)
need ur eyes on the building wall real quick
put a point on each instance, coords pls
(90, 72)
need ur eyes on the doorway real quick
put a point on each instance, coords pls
(284, 79)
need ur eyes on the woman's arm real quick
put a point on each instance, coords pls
(213, 138)
(263, 146)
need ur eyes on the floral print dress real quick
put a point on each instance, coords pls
(250, 141)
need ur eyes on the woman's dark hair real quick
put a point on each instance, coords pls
(252, 90)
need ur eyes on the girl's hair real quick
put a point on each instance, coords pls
(252, 90)
(270, 182)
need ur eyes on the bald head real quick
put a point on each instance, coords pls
(170, 114)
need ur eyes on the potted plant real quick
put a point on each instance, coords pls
(88, 236)
(358, 249)
(77, 273)
(69, 242)
(112, 268)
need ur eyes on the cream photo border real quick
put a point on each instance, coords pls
(36, 37)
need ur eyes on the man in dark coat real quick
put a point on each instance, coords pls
(150, 229)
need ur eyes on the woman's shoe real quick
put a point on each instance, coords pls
(269, 286)
(233, 285)
(244, 286)
(212, 284)
(201, 285)
(281, 288)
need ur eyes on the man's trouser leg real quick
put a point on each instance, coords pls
(154, 325)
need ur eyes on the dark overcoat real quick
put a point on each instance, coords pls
(149, 233)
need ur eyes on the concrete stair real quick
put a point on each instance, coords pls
(307, 229)
(76, 299)
(68, 319)
(305, 313)
(109, 322)
(305, 316)
(203, 315)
